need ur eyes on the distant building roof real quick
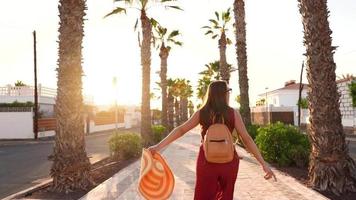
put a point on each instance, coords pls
(289, 85)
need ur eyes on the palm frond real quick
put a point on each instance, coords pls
(153, 22)
(126, 1)
(228, 41)
(209, 32)
(178, 43)
(136, 24)
(173, 34)
(214, 36)
(217, 15)
(214, 22)
(116, 11)
(207, 27)
(174, 7)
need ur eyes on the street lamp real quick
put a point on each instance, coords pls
(114, 83)
(267, 114)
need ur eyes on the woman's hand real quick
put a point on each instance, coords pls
(153, 149)
(269, 173)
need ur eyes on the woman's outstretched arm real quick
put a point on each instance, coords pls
(177, 133)
(251, 146)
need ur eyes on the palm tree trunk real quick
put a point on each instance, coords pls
(177, 112)
(331, 168)
(240, 33)
(191, 108)
(146, 69)
(71, 167)
(184, 108)
(224, 71)
(164, 52)
(170, 112)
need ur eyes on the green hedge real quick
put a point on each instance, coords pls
(252, 131)
(352, 88)
(283, 144)
(125, 145)
(158, 132)
(17, 104)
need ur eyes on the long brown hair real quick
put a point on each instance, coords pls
(215, 103)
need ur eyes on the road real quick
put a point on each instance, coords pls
(25, 164)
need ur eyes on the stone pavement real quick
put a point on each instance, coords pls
(181, 156)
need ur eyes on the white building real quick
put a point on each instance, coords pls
(46, 97)
(286, 96)
(285, 100)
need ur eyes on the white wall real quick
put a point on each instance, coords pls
(96, 128)
(16, 125)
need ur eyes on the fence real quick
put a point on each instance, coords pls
(26, 93)
(19, 125)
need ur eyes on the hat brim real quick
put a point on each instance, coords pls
(156, 180)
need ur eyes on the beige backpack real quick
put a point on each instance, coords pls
(218, 143)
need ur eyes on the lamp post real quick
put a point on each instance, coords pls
(267, 114)
(114, 83)
(35, 118)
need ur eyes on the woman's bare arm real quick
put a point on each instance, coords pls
(248, 141)
(251, 146)
(178, 132)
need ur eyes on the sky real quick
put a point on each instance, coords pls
(110, 48)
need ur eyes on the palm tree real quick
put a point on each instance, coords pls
(211, 73)
(71, 167)
(185, 92)
(240, 34)
(170, 102)
(202, 88)
(212, 70)
(19, 83)
(145, 45)
(190, 108)
(176, 95)
(218, 28)
(331, 168)
(166, 40)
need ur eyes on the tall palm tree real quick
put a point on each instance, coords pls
(145, 45)
(219, 27)
(176, 88)
(190, 108)
(211, 73)
(202, 88)
(240, 34)
(71, 167)
(170, 85)
(212, 70)
(185, 93)
(331, 168)
(166, 40)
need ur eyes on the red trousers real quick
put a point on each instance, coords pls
(215, 181)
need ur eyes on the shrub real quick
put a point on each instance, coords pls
(352, 88)
(252, 131)
(158, 133)
(17, 104)
(125, 145)
(283, 144)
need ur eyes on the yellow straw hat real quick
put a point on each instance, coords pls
(156, 179)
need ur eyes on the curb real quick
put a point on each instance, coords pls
(28, 190)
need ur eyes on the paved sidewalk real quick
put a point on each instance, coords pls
(181, 156)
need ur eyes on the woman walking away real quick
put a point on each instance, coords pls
(216, 180)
